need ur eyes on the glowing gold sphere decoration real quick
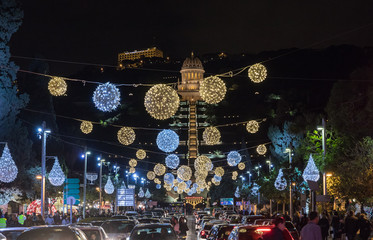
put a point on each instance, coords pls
(219, 171)
(212, 90)
(261, 149)
(150, 175)
(140, 154)
(168, 188)
(202, 163)
(161, 101)
(241, 166)
(132, 170)
(159, 169)
(182, 186)
(184, 172)
(234, 178)
(57, 86)
(180, 191)
(252, 126)
(133, 163)
(86, 127)
(211, 136)
(235, 173)
(157, 181)
(257, 73)
(126, 135)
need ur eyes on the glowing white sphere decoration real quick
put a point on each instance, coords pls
(86, 127)
(219, 171)
(161, 101)
(280, 183)
(261, 149)
(109, 187)
(169, 178)
(311, 172)
(158, 186)
(126, 135)
(132, 170)
(106, 97)
(241, 166)
(234, 158)
(150, 175)
(211, 135)
(159, 169)
(212, 90)
(8, 168)
(167, 140)
(140, 154)
(252, 126)
(172, 161)
(133, 163)
(257, 73)
(56, 176)
(57, 86)
(184, 172)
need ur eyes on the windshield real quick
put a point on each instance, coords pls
(48, 234)
(92, 234)
(156, 233)
(118, 226)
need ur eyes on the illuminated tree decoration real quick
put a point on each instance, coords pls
(311, 172)
(133, 163)
(158, 186)
(172, 161)
(211, 136)
(219, 171)
(280, 183)
(234, 158)
(252, 126)
(86, 127)
(126, 135)
(132, 170)
(257, 73)
(159, 169)
(167, 140)
(157, 181)
(106, 97)
(8, 168)
(212, 90)
(57, 86)
(241, 166)
(147, 194)
(140, 154)
(217, 178)
(141, 193)
(169, 178)
(237, 193)
(184, 172)
(175, 182)
(161, 101)
(109, 187)
(202, 164)
(150, 175)
(261, 149)
(56, 176)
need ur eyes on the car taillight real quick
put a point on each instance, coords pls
(263, 229)
(203, 233)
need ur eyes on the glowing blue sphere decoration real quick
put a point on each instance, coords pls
(172, 161)
(217, 178)
(195, 185)
(158, 186)
(233, 158)
(167, 140)
(106, 97)
(189, 182)
(175, 189)
(168, 178)
(179, 180)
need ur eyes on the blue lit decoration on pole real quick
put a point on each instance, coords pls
(106, 97)
(56, 176)
(8, 168)
(167, 140)
(172, 161)
(311, 173)
(109, 187)
(237, 193)
(158, 186)
(147, 194)
(280, 183)
(141, 193)
(234, 158)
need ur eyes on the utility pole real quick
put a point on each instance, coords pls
(85, 180)
(43, 135)
(290, 190)
(101, 161)
(325, 190)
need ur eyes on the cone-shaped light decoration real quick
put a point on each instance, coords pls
(141, 193)
(8, 168)
(56, 176)
(280, 183)
(147, 194)
(311, 172)
(237, 193)
(109, 187)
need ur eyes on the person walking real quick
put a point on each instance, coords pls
(49, 220)
(13, 221)
(277, 231)
(336, 225)
(351, 225)
(324, 225)
(3, 221)
(364, 226)
(183, 223)
(311, 231)
(21, 219)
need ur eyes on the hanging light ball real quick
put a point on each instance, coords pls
(56, 177)
(140, 154)
(235, 173)
(241, 166)
(219, 171)
(86, 127)
(150, 175)
(157, 181)
(200, 174)
(252, 126)
(257, 73)
(202, 163)
(109, 187)
(261, 149)
(126, 135)
(184, 172)
(8, 168)
(167, 140)
(141, 193)
(169, 178)
(212, 90)
(182, 186)
(233, 158)
(57, 86)
(168, 188)
(158, 186)
(106, 97)
(133, 163)
(217, 178)
(186, 190)
(180, 191)
(172, 161)
(159, 169)
(161, 101)
(234, 178)
(211, 136)
(216, 183)
(132, 170)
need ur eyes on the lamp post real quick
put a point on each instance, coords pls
(322, 129)
(288, 150)
(100, 189)
(85, 179)
(269, 165)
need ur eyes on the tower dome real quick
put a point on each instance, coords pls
(192, 63)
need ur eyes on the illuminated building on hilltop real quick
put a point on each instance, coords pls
(137, 55)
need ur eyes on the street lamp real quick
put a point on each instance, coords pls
(85, 180)
(322, 129)
(288, 150)
(101, 162)
(269, 165)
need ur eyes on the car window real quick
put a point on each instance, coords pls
(164, 233)
(11, 235)
(207, 227)
(48, 234)
(118, 226)
(92, 234)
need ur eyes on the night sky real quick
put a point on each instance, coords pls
(95, 31)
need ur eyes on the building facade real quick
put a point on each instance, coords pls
(135, 55)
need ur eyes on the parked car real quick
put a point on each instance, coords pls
(293, 230)
(250, 219)
(221, 231)
(52, 232)
(2, 237)
(118, 229)
(97, 222)
(153, 232)
(206, 228)
(148, 220)
(233, 217)
(201, 222)
(252, 232)
(94, 232)
(131, 213)
(263, 221)
(12, 233)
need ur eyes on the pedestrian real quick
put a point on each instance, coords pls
(64, 220)
(49, 220)
(21, 219)
(56, 218)
(336, 225)
(183, 223)
(351, 225)
(287, 217)
(277, 231)
(3, 221)
(324, 225)
(296, 220)
(13, 221)
(176, 226)
(311, 231)
(28, 222)
(303, 221)
(364, 226)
